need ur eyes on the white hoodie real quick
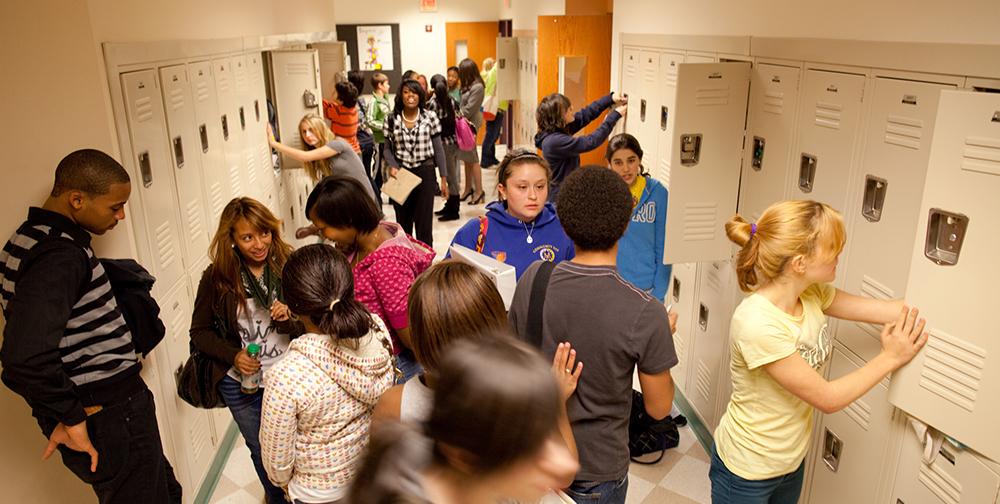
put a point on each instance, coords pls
(318, 403)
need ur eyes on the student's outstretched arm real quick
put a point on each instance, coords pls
(565, 145)
(584, 116)
(300, 155)
(861, 309)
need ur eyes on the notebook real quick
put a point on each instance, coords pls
(399, 187)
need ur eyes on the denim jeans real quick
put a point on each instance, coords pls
(598, 492)
(131, 466)
(728, 488)
(490, 140)
(408, 365)
(246, 412)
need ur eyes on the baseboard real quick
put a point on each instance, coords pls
(701, 432)
(218, 465)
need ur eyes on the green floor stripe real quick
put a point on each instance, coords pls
(215, 470)
(700, 431)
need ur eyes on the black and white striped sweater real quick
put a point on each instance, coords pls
(65, 341)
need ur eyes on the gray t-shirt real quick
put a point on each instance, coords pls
(348, 163)
(614, 327)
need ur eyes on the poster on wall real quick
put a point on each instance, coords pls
(375, 47)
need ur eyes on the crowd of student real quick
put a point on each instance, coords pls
(388, 378)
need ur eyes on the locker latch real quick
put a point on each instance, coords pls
(875, 189)
(690, 149)
(807, 172)
(502, 63)
(179, 151)
(256, 109)
(996, 117)
(203, 132)
(703, 316)
(308, 99)
(945, 234)
(145, 170)
(832, 448)
(677, 290)
(225, 127)
(243, 120)
(663, 117)
(642, 110)
(757, 161)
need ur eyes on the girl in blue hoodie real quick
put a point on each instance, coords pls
(522, 227)
(640, 251)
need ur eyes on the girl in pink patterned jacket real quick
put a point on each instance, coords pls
(319, 398)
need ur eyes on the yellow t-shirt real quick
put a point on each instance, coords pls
(765, 430)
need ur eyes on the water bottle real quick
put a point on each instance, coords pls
(251, 382)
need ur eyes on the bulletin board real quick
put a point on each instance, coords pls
(375, 35)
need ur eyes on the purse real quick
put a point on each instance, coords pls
(646, 435)
(194, 382)
(465, 136)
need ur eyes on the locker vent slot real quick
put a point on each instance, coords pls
(251, 170)
(903, 131)
(665, 171)
(774, 102)
(165, 246)
(953, 369)
(223, 81)
(828, 114)
(194, 221)
(940, 483)
(234, 178)
(874, 289)
(700, 221)
(143, 109)
(176, 99)
(680, 346)
(201, 91)
(704, 381)
(198, 434)
(712, 96)
(861, 413)
(649, 73)
(713, 279)
(981, 155)
(218, 201)
(298, 69)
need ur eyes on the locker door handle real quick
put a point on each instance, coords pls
(833, 447)
(690, 149)
(757, 159)
(874, 199)
(225, 127)
(256, 109)
(179, 151)
(642, 110)
(807, 172)
(677, 290)
(203, 132)
(663, 117)
(703, 316)
(945, 234)
(145, 170)
(243, 120)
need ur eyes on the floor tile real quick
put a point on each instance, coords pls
(689, 477)
(656, 472)
(660, 495)
(638, 489)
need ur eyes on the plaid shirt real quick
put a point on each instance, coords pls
(414, 146)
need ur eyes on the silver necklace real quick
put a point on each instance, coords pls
(529, 239)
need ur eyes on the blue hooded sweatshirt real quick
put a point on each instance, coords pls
(640, 251)
(506, 237)
(562, 150)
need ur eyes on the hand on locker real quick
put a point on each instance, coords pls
(902, 339)
(270, 136)
(621, 102)
(622, 109)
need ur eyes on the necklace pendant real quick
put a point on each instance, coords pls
(530, 240)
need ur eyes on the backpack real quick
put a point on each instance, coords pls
(131, 284)
(646, 435)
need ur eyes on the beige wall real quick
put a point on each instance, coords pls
(55, 100)
(524, 13)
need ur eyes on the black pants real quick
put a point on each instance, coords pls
(419, 207)
(367, 153)
(131, 466)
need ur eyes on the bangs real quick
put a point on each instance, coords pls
(831, 236)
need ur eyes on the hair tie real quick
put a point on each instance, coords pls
(335, 301)
(753, 229)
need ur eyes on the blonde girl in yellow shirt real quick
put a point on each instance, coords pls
(779, 342)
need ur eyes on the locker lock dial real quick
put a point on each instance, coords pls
(945, 234)
(757, 161)
(690, 149)
(308, 99)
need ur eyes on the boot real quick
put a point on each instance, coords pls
(450, 210)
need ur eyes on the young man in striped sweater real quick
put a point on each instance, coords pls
(66, 348)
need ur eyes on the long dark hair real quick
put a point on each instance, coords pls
(551, 113)
(357, 77)
(342, 202)
(468, 73)
(495, 402)
(445, 105)
(318, 284)
(625, 141)
(414, 87)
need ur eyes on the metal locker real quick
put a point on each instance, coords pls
(852, 461)
(699, 58)
(828, 125)
(705, 164)
(954, 476)
(151, 175)
(249, 170)
(151, 374)
(953, 383)
(773, 98)
(663, 120)
(295, 86)
(507, 72)
(682, 292)
(256, 134)
(631, 86)
(648, 108)
(710, 339)
(333, 65)
(229, 123)
(218, 190)
(889, 188)
(184, 146)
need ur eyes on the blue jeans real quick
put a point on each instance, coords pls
(728, 488)
(490, 140)
(408, 365)
(599, 492)
(246, 412)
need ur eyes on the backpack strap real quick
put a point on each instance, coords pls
(484, 224)
(536, 302)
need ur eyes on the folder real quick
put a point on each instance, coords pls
(399, 187)
(504, 276)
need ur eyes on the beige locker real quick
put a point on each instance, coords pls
(953, 383)
(659, 166)
(682, 293)
(151, 375)
(179, 107)
(333, 65)
(229, 123)
(699, 58)
(853, 461)
(709, 350)
(889, 188)
(828, 125)
(295, 86)
(707, 146)
(244, 141)
(157, 233)
(955, 476)
(218, 190)
(649, 97)
(773, 98)
(256, 133)
(631, 86)
(508, 86)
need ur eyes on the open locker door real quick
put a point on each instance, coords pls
(507, 69)
(295, 82)
(705, 161)
(953, 383)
